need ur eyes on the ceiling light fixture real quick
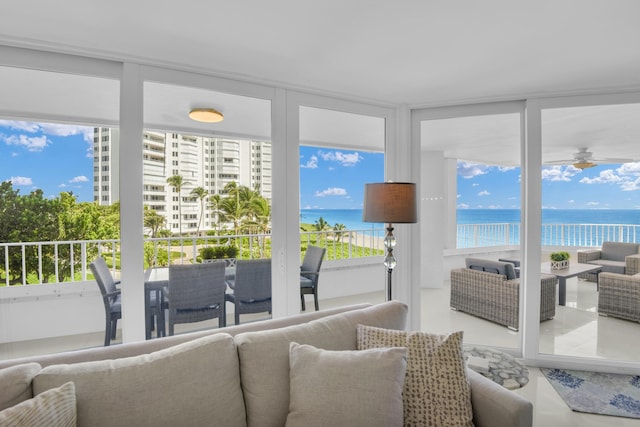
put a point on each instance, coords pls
(206, 115)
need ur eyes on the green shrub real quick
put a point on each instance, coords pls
(559, 256)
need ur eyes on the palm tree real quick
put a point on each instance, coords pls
(153, 221)
(339, 230)
(214, 205)
(261, 209)
(321, 225)
(177, 182)
(201, 194)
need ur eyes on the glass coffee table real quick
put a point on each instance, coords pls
(566, 273)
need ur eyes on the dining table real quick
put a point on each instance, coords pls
(156, 283)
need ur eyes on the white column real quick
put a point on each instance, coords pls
(285, 215)
(432, 218)
(131, 210)
(450, 203)
(530, 238)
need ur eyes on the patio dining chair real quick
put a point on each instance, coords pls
(196, 293)
(251, 287)
(110, 296)
(310, 273)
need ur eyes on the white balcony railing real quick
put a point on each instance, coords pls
(23, 263)
(26, 263)
(576, 235)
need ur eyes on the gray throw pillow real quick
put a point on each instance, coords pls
(345, 388)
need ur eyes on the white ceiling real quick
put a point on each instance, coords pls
(419, 53)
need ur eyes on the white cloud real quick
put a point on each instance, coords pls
(593, 203)
(20, 180)
(79, 178)
(333, 191)
(56, 129)
(470, 170)
(63, 185)
(571, 201)
(630, 185)
(312, 163)
(506, 168)
(345, 159)
(605, 177)
(629, 169)
(18, 125)
(475, 184)
(463, 206)
(484, 193)
(559, 173)
(31, 143)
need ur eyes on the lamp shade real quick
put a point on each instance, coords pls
(206, 115)
(390, 202)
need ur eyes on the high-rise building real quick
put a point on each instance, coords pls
(207, 162)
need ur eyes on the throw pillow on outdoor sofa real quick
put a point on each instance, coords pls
(436, 388)
(346, 388)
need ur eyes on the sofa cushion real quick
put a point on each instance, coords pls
(346, 388)
(195, 383)
(52, 408)
(16, 384)
(496, 267)
(264, 356)
(616, 251)
(436, 388)
(610, 266)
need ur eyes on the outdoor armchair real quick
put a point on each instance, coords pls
(614, 257)
(619, 296)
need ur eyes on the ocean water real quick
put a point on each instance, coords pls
(352, 218)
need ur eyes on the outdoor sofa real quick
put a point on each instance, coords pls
(490, 290)
(235, 376)
(614, 257)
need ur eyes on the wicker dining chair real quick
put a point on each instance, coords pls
(251, 287)
(196, 293)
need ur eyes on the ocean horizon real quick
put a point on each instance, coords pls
(352, 218)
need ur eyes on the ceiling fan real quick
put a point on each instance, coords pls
(584, 159)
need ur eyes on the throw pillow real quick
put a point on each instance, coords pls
(16, 384)
(345, 388)
(436, 389)
(194, 383)
(52, 408)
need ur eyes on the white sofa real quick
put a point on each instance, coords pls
(234, 376)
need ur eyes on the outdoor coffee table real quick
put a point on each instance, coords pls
(566, 273)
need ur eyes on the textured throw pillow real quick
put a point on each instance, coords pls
(52, 408)
(436, 389)
(15, 384)
(194, 383)
(345, 388)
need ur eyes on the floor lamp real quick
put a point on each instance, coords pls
(390, 202)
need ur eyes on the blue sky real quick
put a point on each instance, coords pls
(334, 179)
(51, 157)
(56, 157)
(606, 186)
